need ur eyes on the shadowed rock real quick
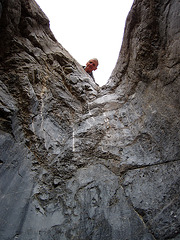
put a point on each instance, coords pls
(82, 162)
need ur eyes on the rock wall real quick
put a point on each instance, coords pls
(82, 162)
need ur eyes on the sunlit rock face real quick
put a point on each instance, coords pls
(82, 162)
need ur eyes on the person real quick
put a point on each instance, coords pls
(91, 65)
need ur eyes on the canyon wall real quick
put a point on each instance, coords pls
(82, 162)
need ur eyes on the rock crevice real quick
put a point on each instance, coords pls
(82, 162)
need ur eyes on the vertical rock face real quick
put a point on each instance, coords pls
(82, 162)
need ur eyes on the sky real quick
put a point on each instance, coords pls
(89, 29)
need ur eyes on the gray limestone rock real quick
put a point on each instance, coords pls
(80, 162)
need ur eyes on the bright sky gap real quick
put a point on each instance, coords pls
(89, 29)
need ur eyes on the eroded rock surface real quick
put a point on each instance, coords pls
(82, 162)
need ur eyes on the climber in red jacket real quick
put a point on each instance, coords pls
(91, 65)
